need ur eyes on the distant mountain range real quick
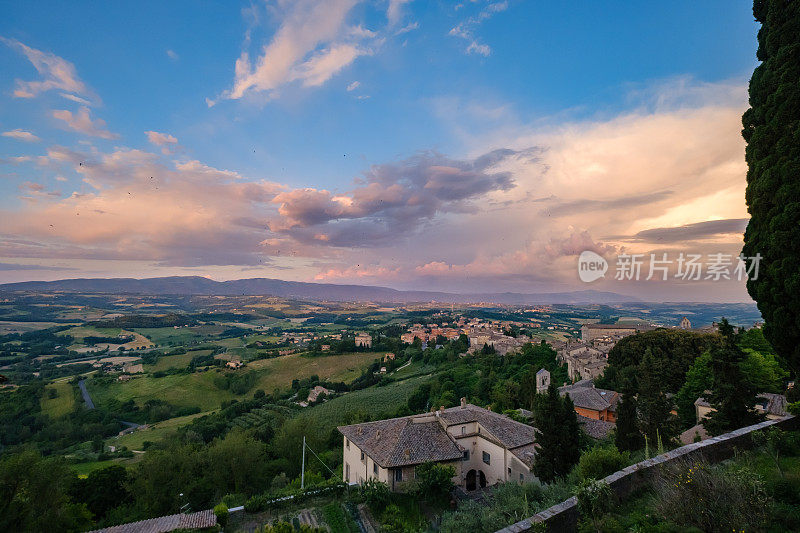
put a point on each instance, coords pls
(196, 285)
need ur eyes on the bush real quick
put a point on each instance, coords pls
(595, 499)
(601, 461)
(221, 512)
(711, 499)
(375, 494)
(434, 480)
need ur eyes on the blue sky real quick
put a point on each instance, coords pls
(354, 120)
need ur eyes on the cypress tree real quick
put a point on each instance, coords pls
(628, 436)
(546, 414)
(653, 406)
(732, 395)
(557, 435)
(772, 132)
(570, 451)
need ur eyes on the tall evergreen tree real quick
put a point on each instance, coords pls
(628, 436)
(546, 414)
(732, 395)
(772, 132)
(570, 436)
(653, 406)
(557, 435)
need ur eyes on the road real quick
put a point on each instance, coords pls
(85, 393)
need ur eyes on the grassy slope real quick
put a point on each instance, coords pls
(61, 405)
(374, 400)
(280, 371)
(198, 389)
(175, 361)
(155, 432)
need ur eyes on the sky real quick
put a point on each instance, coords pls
(472, 146)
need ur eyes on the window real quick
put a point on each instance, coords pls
(346, 443)
(466, 455)
(398, 474)
(375, 469)
(487, 458)
(463, 429)
(509, 471)
(521, 476)
(362, 455)
(347, 472)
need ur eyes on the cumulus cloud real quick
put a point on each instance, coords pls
(82, 123)
(21, 135)
(134, 206)
(394, 199)
(312, 44)
(56, 72)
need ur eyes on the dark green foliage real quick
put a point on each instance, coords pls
(506, 504)
(337, 519)
(34, 495)
(732, 395)
(102, 490)
(557, 435)
(771, 128)
(652, 405)
(221, 512)
(675, 350)
(503, 382)
(376, 494)
(628, 437)
(601, 461)
(434, 480)
(595, 499)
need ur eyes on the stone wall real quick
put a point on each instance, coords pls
(564, 516)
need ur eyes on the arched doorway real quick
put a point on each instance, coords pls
(475, 479)
(471, 480)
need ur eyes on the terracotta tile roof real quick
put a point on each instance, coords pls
(403, 441)
(417, 439)
(597, 429)
(584, 395)
(508, 433)
(165, 524)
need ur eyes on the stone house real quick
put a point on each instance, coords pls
(483, 447)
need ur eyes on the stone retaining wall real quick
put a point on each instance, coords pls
(564, 516)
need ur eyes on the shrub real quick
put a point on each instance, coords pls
(221, 512)
(712, 499)
(434, 480)
(601, 461)
(595, 499)
(375, 494)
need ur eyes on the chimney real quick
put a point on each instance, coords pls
(378, 434)
(463, 402)
(442, 408)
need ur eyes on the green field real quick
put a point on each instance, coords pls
(155, 432)
(60, 405)
(373, 401)
(87, 331)
(280, 371)
(175, 361)
(182, 390)
(83, 469)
